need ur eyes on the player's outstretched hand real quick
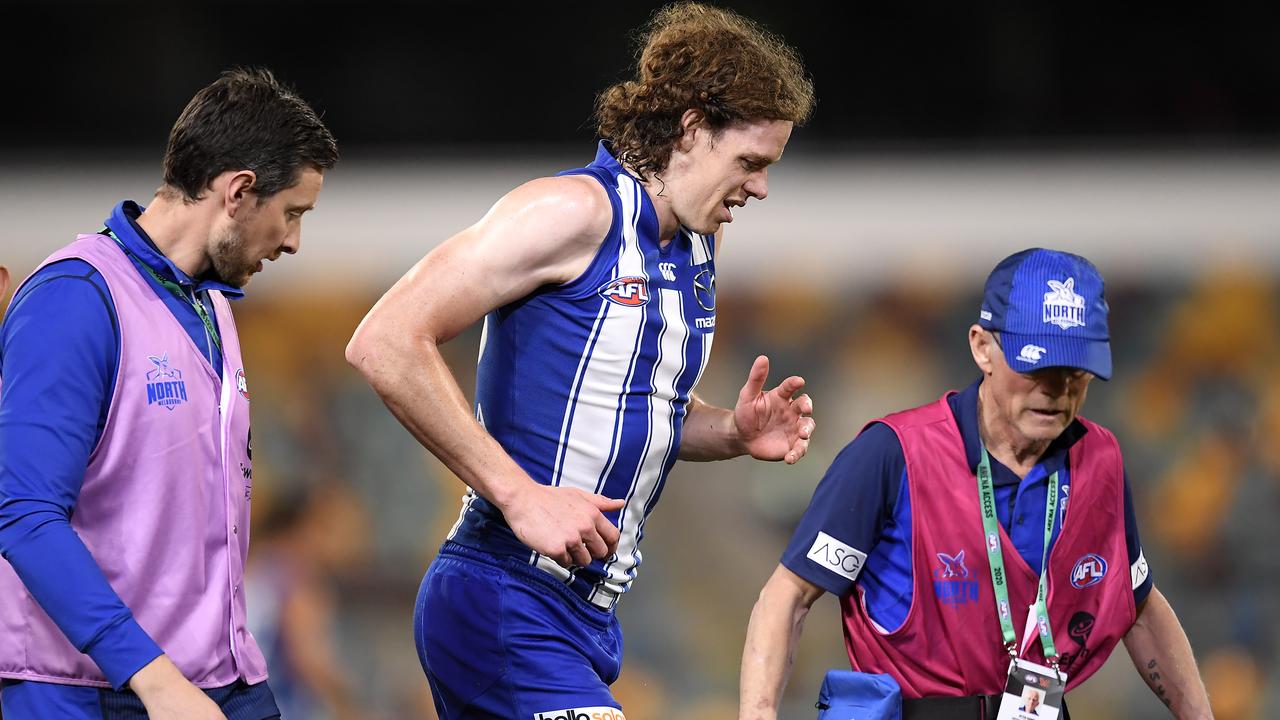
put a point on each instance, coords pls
(565, 524)
(773, 425)
(168, 695)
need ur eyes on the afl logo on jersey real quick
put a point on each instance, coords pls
(242, 385)
(630, 291)
(1089, 570)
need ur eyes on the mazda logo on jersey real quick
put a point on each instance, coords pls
(1089, 570)
(630, 291)
(704, 289)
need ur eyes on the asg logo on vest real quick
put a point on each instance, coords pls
(1089, 570)
(165, 386)
(591, 713)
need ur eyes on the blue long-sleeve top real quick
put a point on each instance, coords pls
(59, 352)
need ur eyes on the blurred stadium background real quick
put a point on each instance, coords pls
(945, 138)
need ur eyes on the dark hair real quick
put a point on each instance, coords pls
(245, 120)
(709, 59)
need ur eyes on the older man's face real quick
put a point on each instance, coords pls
(1038, 405)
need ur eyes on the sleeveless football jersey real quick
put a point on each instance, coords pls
(586, 384)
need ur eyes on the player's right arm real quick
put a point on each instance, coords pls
(827, 553)
(772, 634)
(545, 232)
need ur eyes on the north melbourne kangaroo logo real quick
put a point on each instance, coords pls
(165, 386)
(951, 583)
(1062, 306)
(953, 566)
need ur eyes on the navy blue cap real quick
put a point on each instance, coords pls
(1050, 310)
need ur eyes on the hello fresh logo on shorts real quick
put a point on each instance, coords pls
(590, 713)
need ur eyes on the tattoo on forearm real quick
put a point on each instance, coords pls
(1153, 678)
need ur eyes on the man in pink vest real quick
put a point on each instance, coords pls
(125, 454)
(993, 523)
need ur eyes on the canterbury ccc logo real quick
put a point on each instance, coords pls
(630, 291)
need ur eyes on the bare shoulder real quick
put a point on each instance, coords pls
(573, 207)
(549, 228)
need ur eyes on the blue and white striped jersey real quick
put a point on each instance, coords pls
(586, 384)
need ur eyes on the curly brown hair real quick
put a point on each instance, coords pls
(703, 58)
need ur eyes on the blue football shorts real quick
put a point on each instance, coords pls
(500, 639)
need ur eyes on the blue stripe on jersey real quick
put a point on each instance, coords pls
(678, 408)
(604, 485)
(633, 484)
(586, 384)
(577, 390)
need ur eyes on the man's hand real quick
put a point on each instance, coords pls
(168, 695)
(773, 425)
(565, 524)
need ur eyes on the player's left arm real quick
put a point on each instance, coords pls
(772, 425)
(1162, 654)
(1156, 642)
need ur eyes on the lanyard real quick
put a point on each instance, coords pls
(177, 291)
(995, 558)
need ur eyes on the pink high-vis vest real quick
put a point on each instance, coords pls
(164, 507)
(950, 644)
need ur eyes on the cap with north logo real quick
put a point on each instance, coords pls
(1050, 310)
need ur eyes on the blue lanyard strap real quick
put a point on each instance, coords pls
(995, 559)
(176, 289)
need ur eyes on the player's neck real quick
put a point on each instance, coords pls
(180, 232)
(668, 223)
(1003, 441)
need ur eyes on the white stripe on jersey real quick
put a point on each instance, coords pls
(468, 498)
(605, 365)
(701, 255)
(574, 391)
(672, 343)
(605, 371)
(484, 338)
